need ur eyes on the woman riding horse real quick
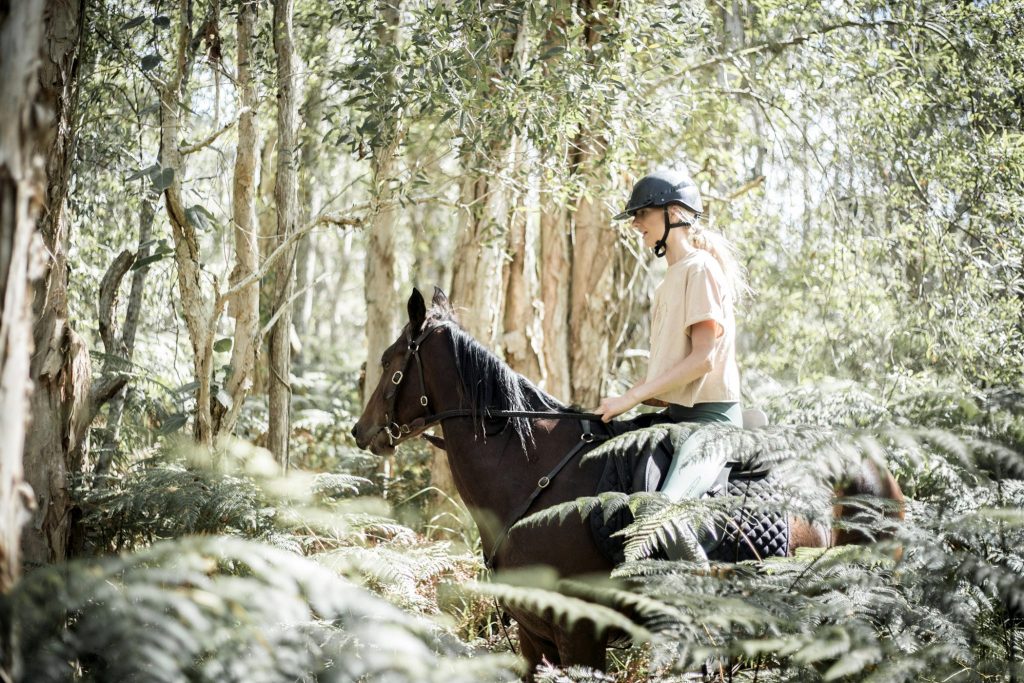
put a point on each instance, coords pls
(505, 463)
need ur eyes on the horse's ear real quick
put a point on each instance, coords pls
(441, 300)
(417, 311)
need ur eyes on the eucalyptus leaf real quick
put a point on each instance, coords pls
(137, 21)
(163, 179)
(172, 424)
(151, 61)
(148, 260)
(148, 171)
(223, 345)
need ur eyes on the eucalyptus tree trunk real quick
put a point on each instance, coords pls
(197, 308)
(119, 346)
(523, 333)
(476, 276)
(286, 196)
(489, 196)
(243, 305)
(555, 276)
(23, 137)
(379, 278)
(60, 370)
(266, 215)
(310, 201)
(593, 298)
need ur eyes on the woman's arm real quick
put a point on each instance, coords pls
(696, 364)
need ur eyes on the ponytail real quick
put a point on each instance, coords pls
(723, 251)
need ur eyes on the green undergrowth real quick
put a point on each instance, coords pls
(233, 571)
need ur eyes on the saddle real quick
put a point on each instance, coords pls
(752, 534)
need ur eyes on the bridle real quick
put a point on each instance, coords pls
(395, 431)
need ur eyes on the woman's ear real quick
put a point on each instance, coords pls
(417, 311)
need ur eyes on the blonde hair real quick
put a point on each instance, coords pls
(719, 246)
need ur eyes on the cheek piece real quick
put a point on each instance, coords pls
(660, 247)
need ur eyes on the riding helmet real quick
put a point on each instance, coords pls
(662, 188)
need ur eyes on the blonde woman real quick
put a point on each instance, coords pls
(692, 368)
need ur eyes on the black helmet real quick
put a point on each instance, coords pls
(663, 188)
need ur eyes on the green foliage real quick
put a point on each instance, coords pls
(163, 496)
(866, 157)
(222, 609)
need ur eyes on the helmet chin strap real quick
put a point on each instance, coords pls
(661, 246)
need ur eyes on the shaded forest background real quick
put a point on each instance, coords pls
(212, 213)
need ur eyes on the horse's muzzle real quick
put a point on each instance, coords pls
(374, 439)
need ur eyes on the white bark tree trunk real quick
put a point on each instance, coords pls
(310, 201)
(244, 306)
(23, 136)
(286, 197)
(476, 277)
(380, 282)
(523, 332)
(60, 369)
(197, 308)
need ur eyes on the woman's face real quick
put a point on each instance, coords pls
(650, 223)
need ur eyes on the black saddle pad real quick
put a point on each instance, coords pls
(752, 534)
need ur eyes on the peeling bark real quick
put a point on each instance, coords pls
(523, 333)
(24, 133)
(197, 308)
(60, 368)
(476, 275)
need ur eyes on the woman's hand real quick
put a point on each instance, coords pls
(615, 405)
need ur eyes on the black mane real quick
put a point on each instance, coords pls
(488, 383)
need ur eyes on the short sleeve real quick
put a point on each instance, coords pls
(705, 297)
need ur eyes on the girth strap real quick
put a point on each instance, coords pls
(586, 438)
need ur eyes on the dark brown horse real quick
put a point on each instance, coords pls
(436, 372)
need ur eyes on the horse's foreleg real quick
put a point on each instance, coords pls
(581, 646)
(536, 650)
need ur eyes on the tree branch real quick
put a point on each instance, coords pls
(210, 139)
(109, 287)
(272, 258)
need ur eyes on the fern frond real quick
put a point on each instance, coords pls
(609, 502)
(556, 607)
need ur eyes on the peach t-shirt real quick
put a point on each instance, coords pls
(694, 290)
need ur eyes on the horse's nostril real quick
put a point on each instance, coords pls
(355, 432)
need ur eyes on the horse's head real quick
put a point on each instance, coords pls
(396, 409)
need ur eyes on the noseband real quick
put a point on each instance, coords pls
(394, 430)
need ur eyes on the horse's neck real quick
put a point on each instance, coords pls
(493, 474)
